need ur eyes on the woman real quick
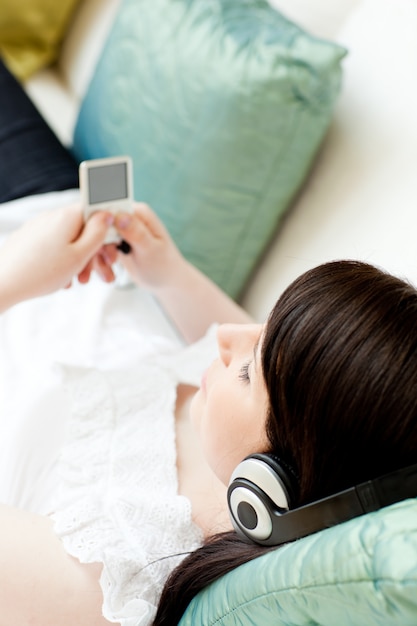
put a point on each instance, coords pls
(339, 359)
(37, 259)
(329, 377)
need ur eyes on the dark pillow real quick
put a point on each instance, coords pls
(32, 159)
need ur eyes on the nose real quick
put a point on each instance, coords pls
(225, 334)
(234, 339)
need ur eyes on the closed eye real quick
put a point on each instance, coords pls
(244, 372)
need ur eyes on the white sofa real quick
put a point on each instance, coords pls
(359, 200)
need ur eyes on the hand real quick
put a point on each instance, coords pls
(48, 251)
(101, 263)
(154, 260)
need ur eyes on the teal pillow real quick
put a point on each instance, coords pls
(361, 573)
(222, 106)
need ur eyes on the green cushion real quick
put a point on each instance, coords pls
(222, 106)
(361, 573)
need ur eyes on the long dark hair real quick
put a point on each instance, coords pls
(339, 358)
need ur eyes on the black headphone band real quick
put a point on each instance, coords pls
(337, 508)
(291, 474)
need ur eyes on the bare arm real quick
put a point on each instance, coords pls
(192, 301)
(40, 583)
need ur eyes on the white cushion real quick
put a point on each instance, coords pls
(360, 201)
(84, 42)
(323, 18)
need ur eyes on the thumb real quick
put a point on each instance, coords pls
(131, 228)
(94, 232)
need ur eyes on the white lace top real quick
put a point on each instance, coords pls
(100, 454)
(118, 502)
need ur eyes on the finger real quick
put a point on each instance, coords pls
(150, 219)
(71, 217)
(103, 269)
(94, 233)
(135, 227)
(84, 275)
(109, 252)
(132, 230)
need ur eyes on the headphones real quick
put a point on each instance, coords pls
(262, 492)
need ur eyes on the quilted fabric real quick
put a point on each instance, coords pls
(361, 573)
(222, 106)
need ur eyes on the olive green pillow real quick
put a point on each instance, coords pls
(31, 32)
(222, 106)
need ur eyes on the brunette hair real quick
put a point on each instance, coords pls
(339, 358)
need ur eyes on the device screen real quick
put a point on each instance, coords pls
(107, 183)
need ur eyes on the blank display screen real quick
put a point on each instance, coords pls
(107, 183)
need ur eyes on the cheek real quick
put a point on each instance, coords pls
(212, 425)
(228, 428)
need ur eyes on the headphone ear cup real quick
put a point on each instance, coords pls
(260, 487)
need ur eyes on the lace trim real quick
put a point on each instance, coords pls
(112, 509)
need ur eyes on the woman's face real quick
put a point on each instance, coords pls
(230, 409)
